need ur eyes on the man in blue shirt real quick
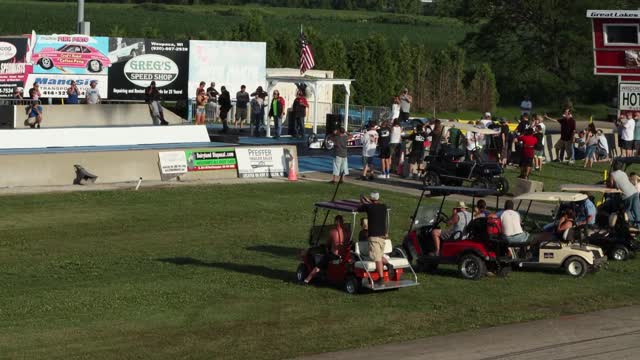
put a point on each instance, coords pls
(588, 215)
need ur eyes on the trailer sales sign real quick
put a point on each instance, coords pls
(629, 96)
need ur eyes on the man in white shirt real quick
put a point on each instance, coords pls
(93, 94)
(526, 106)
(369, 144)
(620, 180)
(405, 104)
(511, 225)
(486, 120)
(474, 144)
(627, 128)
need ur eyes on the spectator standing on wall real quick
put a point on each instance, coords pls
(35, 114)
(242, 101)
(73, 93)
(34, 92)
(93, 94)
(152, 98)
(300, 106)
(567, 133)
(526, 106)
(201, 101)
(257, 106)
(17, 96)
(405, 104)
(277, 111)
(224, 101)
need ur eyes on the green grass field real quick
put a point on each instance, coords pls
(210, 22)
(207, 272)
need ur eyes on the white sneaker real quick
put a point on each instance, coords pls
(382, 176)
(571, 162)
(388, 176)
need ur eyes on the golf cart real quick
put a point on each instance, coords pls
(569, 252)
(476, 250)
(612, 231)
(447, 167)
(354, 271)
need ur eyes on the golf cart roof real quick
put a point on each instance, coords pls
(349, 205)
(459, 190)
(552, 196)
(588, 188)
(469, 127)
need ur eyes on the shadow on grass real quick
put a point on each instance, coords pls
(284, 251)
(276, 274)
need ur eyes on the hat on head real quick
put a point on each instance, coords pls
(375, 196)
(461, 205)
(487, 114)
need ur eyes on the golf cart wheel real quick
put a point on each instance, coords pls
(576, 266)
(501, 185)
(352, 285)
(46, 63)
(301, 273)
(620, 253)
(471, 267)
(431, 179)
(94, 66)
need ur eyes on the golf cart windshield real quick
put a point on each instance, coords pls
(426, 216)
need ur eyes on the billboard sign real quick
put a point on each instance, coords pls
(55, 86)
(261, 162)
(227, 63)
(71, 54)
(211, 159)
(629, 96)
(138, 62)
(14, 64)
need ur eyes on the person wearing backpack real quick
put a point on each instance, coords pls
(300, 106)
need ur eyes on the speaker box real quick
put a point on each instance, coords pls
(333, 122)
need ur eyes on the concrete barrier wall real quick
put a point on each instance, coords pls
(51, 169)
(93, 115)
(113, 136)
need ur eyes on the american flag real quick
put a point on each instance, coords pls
(306, 55)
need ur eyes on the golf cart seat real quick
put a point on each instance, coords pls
(361, 249)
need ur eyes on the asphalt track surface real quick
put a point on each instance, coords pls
(608, 334)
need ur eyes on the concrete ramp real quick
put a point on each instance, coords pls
(82, 115)
(115, 136)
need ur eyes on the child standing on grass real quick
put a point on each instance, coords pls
(538, 148)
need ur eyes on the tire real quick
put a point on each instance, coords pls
(46, 63)
(481, 183)
(352, 285)
(94, 66)
(471, 267)
(431, 179)
(500, 184)
(576, 266)
(301, 273)
(619, 253)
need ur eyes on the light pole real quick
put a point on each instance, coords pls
(83, 26)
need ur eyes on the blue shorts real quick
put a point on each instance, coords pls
(367, 160)
(340, 164)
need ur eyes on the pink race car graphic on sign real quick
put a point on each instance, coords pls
(72, 55)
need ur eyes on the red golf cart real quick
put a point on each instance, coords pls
(354, 271)
(476, 251)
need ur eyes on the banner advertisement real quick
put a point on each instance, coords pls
(71, 54)
(629, 96)
(137, 62)
(261, 162)
(227, 63)
(55, 86)
(211, 159)
(14, 65)
(172, 162)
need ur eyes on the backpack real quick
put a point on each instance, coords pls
(494, 226)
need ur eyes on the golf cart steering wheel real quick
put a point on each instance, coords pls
(442, 218)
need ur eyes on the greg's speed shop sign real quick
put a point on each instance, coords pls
(629, 96)
(137, 62)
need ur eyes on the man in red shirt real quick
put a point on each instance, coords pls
(528, 153)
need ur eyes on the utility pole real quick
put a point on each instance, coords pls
(83, 27)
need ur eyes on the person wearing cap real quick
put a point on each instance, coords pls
(405, 104)
(459, 220)
(512, 225)
(92, 95)
(486, 120)
(377, 230)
